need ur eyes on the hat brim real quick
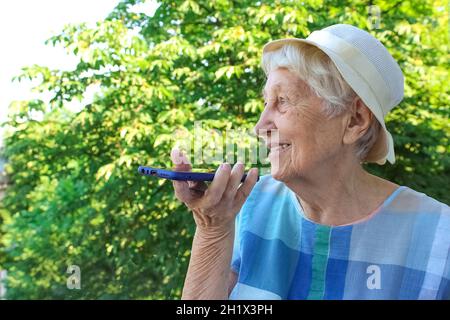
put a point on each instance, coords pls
(383, 149)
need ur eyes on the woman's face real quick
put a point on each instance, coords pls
(307, 139)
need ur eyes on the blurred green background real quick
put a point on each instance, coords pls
(73, 196)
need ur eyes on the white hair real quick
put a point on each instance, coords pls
(318, 71)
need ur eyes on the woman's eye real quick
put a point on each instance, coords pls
(282, 105)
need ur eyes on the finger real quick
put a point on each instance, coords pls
(235, 180)
(197, 185)
(180, 160)
(218, 185)
(182, 191)
(244, 190)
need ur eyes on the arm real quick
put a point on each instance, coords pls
(208, 275)
(214, 210)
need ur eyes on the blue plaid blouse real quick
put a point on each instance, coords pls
(400, 252)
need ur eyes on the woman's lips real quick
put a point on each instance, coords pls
(280, 148)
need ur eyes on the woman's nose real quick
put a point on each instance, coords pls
(265, 123)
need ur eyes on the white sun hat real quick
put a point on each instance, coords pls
(367, 67)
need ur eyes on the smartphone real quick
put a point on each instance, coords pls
(179, 175)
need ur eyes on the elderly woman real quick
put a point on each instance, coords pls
(320, 226)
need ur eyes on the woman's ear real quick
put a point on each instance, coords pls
(358, 121)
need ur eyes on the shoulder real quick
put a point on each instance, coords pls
(412, 201)
(417, 213)
(266, 199)
(422, 220)
(431, 237)
(267, 185)
(265, 192)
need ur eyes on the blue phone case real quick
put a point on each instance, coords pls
(179, 175)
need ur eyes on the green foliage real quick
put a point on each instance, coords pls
(75, 197)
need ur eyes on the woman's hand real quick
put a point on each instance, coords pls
(214, 207)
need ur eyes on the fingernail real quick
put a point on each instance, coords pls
(183, 158)
(237, 165)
